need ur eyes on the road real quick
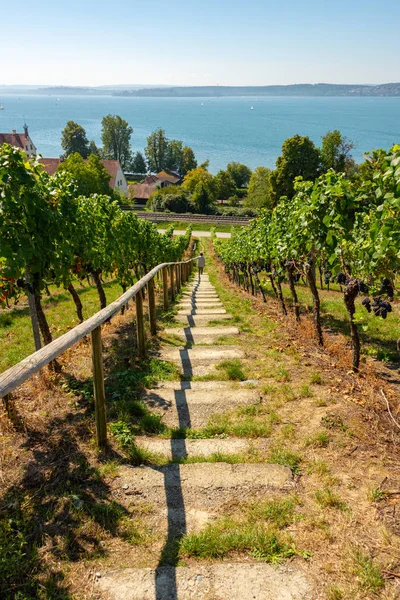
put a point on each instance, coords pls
(219, 234)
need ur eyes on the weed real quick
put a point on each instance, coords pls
(132, 531)
(287, 458)
(327, 498)
(367, 571)
(332, 421)
(110, 469)
(305, 391)
(377, 494)
(319, 467)
(316, 378)
(281, 374)
(288, 431)
(319, 440)
(227, 535)
(334, 593)
(233, 369)
(278, 512)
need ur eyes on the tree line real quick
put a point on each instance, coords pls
(49, 233)
(348, 227)
(160, 152)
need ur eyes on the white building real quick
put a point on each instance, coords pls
(22, 141)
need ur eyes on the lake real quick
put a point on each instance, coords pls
(218, 129)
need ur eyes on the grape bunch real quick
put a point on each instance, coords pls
(380, 307)
(327, 277)
(341, 278)
(386, 288)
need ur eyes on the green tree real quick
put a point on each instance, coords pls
(174, 157)
(138, 164)
(225, 186)
(93, 149)
(259, 190)
(116, 137)
(335, 152)
(90, 176)
(196, 176)
(300, 158)
(189, 161)
(202, 198)
(240, 173)
(74, 140)
(156, 150)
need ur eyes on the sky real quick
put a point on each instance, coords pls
(198, 42)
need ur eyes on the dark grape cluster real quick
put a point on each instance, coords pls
(341, 278)
(23, 284)
(327, 277)
(380, 307)
(386, 289)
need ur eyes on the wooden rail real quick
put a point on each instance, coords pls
(16, 375)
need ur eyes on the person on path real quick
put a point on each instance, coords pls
(201, 263)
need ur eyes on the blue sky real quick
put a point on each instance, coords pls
(199, 42)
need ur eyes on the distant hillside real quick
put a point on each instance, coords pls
(302, 89)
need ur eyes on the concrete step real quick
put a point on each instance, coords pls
(202, 304)
(201, 320)
(192, 407)
(203, 335)
(201, 311)
(199, 295)
(221, 581)
(183, 448)
(199, 360)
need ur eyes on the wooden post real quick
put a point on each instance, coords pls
(152, 307)
(33, 315)
(178, 278)
(172, 268)
(98, 385)
(165, 287)
(140, 325)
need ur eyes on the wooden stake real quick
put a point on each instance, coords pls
(172, 268)
(140, 326)
(152, 307)
(98, 385)
(165, 287)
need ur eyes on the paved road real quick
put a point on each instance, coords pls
(219, 234)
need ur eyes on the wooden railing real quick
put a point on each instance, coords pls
(179, 272)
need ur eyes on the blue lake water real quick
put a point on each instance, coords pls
(218, 129)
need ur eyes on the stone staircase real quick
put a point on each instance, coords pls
(186, 497)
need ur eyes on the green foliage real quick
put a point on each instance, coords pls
(225, 185)
(368, 573)
(335, 152)
(162, 153)
(90, 176)
(174, 198)
(116, 137)
(74, 140)
(259, 191)
(240, 174)
(300, 158)
(138, 164)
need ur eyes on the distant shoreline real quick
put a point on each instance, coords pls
(319, 90)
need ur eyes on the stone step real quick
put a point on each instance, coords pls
(183, 448)
(194, 305)
(200, 360)
(194, 406)
(221, 581)
(203, 335)
(195, 300)
(199, 295)
(201, 320)
(201, 311)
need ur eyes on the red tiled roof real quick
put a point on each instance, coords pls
(14, 139)
(50, 164)
(142, 191)
(111, 166)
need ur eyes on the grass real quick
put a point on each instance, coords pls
(316, 378)
(366, 570)
(16, 338)
(378, 336)
(318, 440)
(197, 226)
(233, 370)
(327, 498)
(257, 532)
(287, 458)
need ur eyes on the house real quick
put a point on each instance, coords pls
(22, 141)
(169, 177)
(141, 192)
(117, 177)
